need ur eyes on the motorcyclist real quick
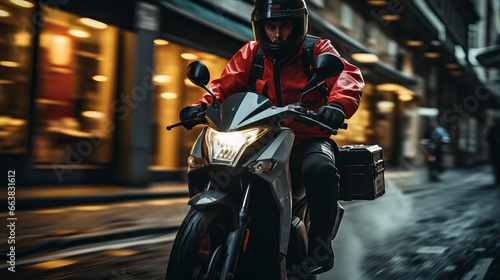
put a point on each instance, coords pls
(435, 140)
(280, 29)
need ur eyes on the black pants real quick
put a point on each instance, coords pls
(313, 163)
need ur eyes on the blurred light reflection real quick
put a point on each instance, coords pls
(93, 23)
(53, 264)
(121, 252)
(89, 208)
(79, 33)
(12, 64)
(23, 3)
(189, 56)
(4, 13)
(51, 211)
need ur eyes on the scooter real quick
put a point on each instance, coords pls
(245, 220)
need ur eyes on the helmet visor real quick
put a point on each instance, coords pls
(296, 26)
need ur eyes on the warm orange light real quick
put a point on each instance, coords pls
(17, 122)
(365, 57)
(385, 106)
(93, 114)
(376, 2)
(414, 43)
(9, 63)
(405, 97)
(53, 264)
(90, 208)
(100, 78)
(161, 42)
(4, 13)
(161, 79)
(452, 66)
(121, 253)
(189, 56)
(390, 17)
(22, 39)
(169, 95)
(51, 211)
(79, 33)
(93, 23)
(246, 241)
(23, 3)
(432, 54)
(388, 87)
(159, 202)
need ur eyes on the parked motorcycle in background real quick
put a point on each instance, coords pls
(245, 221)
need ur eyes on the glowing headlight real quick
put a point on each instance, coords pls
(227, 147)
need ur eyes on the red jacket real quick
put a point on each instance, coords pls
(345, 88)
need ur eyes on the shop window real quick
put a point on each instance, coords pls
(16, 48)
(361, 129)
(74, 120)
(173, 92)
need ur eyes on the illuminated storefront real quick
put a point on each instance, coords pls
(85, 95)
(75, 89)
(16, 51)
(59, 80)
(173, 92)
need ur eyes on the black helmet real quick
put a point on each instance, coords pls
(280, 10)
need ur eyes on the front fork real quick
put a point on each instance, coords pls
(236, 238)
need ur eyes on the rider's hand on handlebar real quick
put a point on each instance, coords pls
(332, 115)
(189, 113)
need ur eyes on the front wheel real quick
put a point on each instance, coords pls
(200, 237)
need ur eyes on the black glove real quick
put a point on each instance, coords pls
(189, 113)
(332, 115)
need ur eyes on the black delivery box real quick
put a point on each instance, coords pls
(361, 171)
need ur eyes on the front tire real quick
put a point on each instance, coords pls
(200, 234)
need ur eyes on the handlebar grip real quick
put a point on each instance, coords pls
(190, 122)
(313, 115)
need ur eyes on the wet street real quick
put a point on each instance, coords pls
(442, 230)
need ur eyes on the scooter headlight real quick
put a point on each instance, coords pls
(227, 147)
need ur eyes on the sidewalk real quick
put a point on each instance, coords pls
(39, 197)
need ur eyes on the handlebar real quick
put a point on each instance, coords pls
(310, 118)
(200, 119)
(298, 112)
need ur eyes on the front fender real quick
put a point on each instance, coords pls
(214, 197)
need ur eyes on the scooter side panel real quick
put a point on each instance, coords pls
(197, 148)
(279, 178)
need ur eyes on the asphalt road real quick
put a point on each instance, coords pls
(445, 230)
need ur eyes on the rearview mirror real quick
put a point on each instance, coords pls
(198, 73)
(326, 65)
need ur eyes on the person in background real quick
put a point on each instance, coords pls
(435, 140)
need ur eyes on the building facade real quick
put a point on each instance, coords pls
(88, 87)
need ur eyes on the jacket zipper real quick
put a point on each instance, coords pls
(277, 82)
